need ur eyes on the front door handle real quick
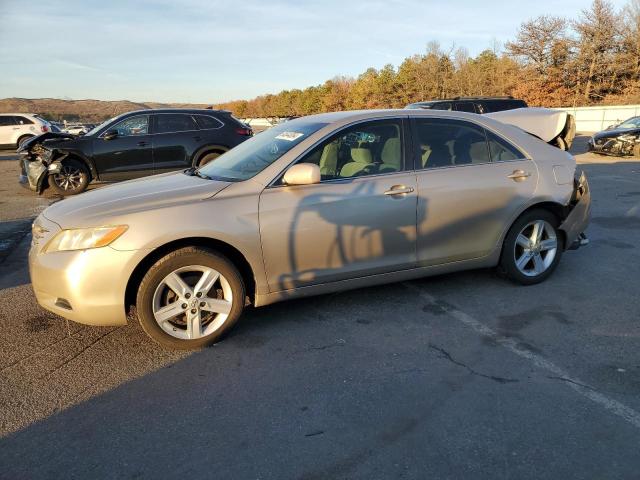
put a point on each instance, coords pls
(142, 144)
(398, 190)
(519, 175)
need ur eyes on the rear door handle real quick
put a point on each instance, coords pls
(519, 175)
(398, 190)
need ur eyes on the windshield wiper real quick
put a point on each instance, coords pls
(193, 171)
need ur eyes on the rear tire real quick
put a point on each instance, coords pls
(208, 157)
(73, 178)
(190, 298)
(23, 139)
(561, 144)
(532, 248)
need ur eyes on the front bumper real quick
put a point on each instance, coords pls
(32, 174)
(85, 286)
(577, 221)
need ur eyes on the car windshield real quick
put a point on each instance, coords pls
(631, 123)
(254, 155)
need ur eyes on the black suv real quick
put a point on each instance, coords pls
(472, 104)
(131, 145)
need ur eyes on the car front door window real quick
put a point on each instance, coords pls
(370, 148)
(134, 126)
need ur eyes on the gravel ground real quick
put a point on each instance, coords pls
(463, 375)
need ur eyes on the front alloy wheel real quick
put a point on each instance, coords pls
(72, 178)
(189, 298)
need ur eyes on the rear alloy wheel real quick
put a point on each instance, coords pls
(208, 158)
(190, 298)
(532, 248)
(21, 140)
(72, 179)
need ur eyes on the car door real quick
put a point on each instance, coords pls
(126, 155)
(7, 126)
(466, 197)
(359, 220)
(175, 137)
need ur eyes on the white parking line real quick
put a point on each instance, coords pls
(615, 407)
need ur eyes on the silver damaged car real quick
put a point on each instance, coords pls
(319, 204)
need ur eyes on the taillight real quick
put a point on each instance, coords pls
(247, 132)
(45, 129)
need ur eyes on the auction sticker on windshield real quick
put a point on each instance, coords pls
(289, 136)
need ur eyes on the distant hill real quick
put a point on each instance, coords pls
(81, 110)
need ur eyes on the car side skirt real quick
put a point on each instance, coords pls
(488, 261)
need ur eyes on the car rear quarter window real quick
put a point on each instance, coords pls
(207, 122)
(174, 123)
(501, 150)
(448, 143)
(6, 120)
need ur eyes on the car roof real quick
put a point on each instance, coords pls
(204, 111)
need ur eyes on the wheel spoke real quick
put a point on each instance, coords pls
(523, 260)
(548, 244)
(206, 282)
(523, 241)
(538, 263)
(536, 233)
(194, 324)
(168, 312)
(175, 283)
(216, 305)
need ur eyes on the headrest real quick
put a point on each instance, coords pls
(361, 155)
(391, 151)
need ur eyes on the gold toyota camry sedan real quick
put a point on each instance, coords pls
(315, 205)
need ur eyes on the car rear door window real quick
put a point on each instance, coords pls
(22, 120)
(501, 150)
(465, 107)
(369, 148)
(446, 143)
(208, 122)
(174, 122)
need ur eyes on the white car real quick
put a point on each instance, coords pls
(76, 129)
(17, 128)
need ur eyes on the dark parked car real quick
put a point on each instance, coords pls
(129, 146)
(618, 140)
(472, 104)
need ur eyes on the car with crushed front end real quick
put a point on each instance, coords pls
(319, 204)
(132, 145)
(619, 140)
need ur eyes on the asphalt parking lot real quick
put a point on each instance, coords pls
(457, 376)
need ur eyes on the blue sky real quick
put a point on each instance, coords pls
(210, 51)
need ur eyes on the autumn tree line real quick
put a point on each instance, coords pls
(552, 61)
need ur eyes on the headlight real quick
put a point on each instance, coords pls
(84, 238)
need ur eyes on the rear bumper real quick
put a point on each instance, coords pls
(577, 221)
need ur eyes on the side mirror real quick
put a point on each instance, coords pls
(110, 135)
(302, 174)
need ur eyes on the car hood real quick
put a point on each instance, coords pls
(46, 138)
(616, 132)
(111, 204)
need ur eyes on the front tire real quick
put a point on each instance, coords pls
(532, 248)
(73, 178)
(190, 298)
